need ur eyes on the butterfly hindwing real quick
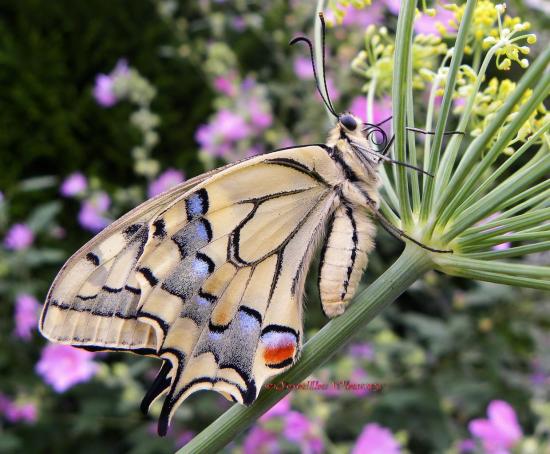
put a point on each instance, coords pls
(210, 279)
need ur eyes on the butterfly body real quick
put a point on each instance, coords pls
(209, 276)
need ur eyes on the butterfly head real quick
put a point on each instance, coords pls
(367, 140)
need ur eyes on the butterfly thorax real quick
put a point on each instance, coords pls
(360, 169)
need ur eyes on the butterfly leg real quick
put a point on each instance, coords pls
(399, 234)
(422, 131)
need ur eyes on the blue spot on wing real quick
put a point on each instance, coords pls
(197, 204)
(247, 321)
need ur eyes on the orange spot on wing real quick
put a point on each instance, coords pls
(278, 354)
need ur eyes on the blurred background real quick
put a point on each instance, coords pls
(104, 104)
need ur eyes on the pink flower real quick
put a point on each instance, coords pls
(225, 85)
(165, 181)
(301, 431)
(92, 211)
(231, 126)
(381, 109)
(18, 237)
(303, 68)
(183, 438)
(63, 366)
(260, 440)
(26, 315)
(502, 246)
(362, 351)
(296, 427)
(74, 184)
(281, 408)
(393, 6)
(500, 431)
(217, 137)
(427, 24)
(18, 411)
(24, 412)
(359, 376)
(376, 439)
(361, 17)
(260, 115)
(238, 23)
(103, 91)
(333, 91)
(466, 446)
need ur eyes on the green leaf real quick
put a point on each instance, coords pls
(43, 216)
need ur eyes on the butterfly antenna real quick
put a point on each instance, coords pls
(323, 34)
(384, 121)
(307, 41)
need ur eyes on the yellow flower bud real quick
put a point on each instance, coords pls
(430, 12)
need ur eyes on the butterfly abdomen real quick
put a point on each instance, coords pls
(344, 257)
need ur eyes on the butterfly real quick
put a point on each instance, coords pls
(209, 276)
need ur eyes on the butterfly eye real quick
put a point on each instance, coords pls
(349, 122)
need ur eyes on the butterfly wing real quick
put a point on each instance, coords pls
(70, 310)
(210, 279)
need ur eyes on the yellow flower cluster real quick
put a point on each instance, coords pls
(483, 22)
(488, 29)
(339, 9)
(505, 38)
(426, 51)
(489, 101)
(375, 62)
(465, 79)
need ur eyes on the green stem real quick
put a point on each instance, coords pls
(514, 223)
(454, 263)
(451, 152)
(410, 266)
(531, 197)
(411, 140)
(389, 213)
(539, 234)
(400, 96)
(386, 183)
(501, 195)
(498, 278)
(512, 252)
(429, 121)
(500, 170)
(456, 60)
